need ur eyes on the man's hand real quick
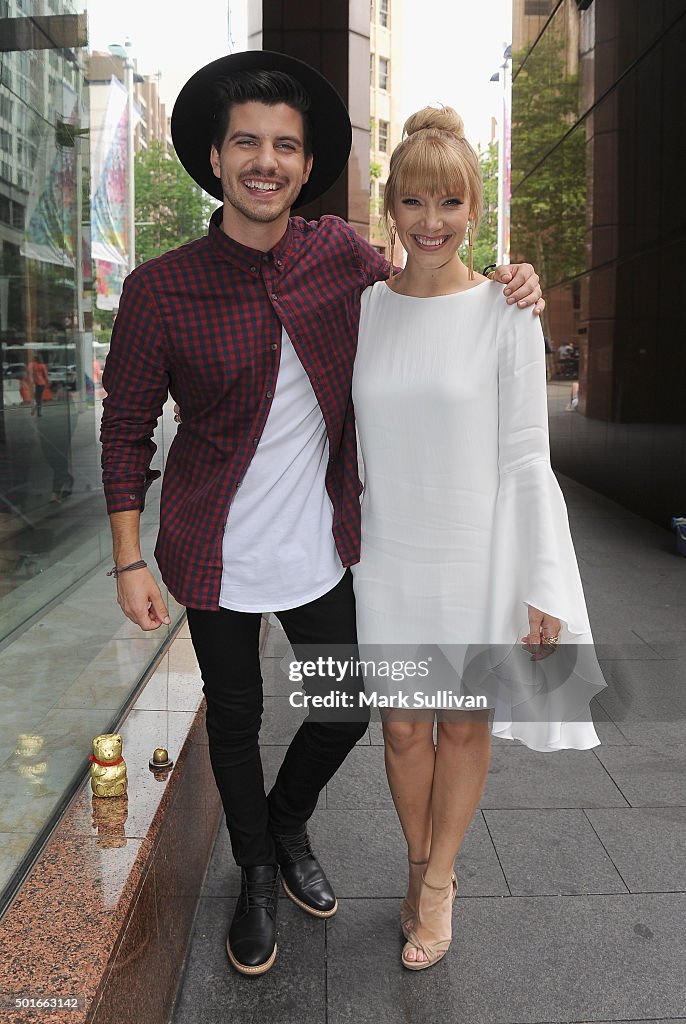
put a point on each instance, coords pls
(140, 599)
(522, 285)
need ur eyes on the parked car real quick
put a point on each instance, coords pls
(61, 373)
(14, 371)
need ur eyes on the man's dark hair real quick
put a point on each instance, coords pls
(268, 87)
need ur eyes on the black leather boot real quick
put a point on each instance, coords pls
(302, 876)
(251, 943)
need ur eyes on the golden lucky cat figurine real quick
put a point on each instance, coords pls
(108, 767)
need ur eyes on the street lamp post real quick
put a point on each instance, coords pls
(503, 77)
(131, 181)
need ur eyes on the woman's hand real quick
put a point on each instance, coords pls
(177, 413)
(522, 285)
(543, 635)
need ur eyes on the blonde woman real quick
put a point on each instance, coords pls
(465, 539)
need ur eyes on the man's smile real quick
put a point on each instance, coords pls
(262, 186)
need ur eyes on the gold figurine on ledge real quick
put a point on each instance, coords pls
(160, 760)
(108, 767)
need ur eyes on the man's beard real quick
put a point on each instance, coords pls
(235, 196)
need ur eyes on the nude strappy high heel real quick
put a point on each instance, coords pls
(433, 951)
(408, 913)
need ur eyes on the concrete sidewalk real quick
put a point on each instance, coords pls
(572, 902)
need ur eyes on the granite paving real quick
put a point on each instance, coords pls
(572, 900)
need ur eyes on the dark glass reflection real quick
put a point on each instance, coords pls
(596, 137)
(48, 459)
(548, 158)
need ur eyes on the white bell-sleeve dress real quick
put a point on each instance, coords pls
(463, 521)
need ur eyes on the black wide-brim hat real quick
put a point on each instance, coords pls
(192, 120)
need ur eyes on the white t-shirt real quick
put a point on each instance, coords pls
(278, 549)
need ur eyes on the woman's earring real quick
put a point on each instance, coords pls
(470, 250)
(392, 243)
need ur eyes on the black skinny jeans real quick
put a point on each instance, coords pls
(226, 645)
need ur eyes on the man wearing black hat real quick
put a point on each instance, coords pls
(252, 329)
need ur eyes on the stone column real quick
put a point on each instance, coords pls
(334, 38)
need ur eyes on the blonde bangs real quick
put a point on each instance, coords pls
(430, 163)
(433, 169)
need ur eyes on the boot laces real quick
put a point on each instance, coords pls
(261, 894)
(296, 846)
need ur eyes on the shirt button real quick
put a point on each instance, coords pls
(274, 346)
(255, 440)
(270, 394)
(279, 263)
(132, 497)
(254, 270)
(275, 298)
(265, 258)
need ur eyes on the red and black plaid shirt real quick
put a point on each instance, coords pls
(203, 323)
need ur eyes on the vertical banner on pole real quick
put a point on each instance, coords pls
(109, 221)
(50, 232)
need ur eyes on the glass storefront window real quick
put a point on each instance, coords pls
(70, 660)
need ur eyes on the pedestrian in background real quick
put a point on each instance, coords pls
(39, 381)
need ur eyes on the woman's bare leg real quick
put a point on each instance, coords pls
(461, 766)
(409, 754)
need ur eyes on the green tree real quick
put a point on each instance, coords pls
(375, 172)
(170, 208)
(486, 240)
(548, 164)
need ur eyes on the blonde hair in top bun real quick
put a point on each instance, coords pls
(443, 119)
(434, 158)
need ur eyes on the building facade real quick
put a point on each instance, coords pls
(385, 71)
(339, 40)
(597, 128)
(153, 121)
(334, 38)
